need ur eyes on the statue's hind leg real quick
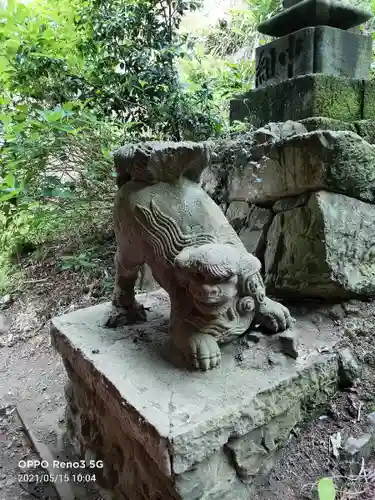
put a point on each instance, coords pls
(125, 308)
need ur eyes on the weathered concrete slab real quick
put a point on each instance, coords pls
(165, 433)
(317, 95)
(320, 49)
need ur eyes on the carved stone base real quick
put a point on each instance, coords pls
(164, 433)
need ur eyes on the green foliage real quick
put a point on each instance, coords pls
(239, 30)
(53, 162)
(39, 58)
(46, 151)
(80, 78)
(210, 83)
(82, 261)
(326, 489)
(130, 48)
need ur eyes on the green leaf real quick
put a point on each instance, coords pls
(326, 489)
(52, 116)
(7, 195)
(106, 153)
(10, 180)
(4, 100)
(69, 129)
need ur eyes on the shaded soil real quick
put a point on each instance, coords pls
(32, 377)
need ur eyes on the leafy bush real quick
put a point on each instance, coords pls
(77, 80)
(239, 30)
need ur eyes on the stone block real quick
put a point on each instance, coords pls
(251, 456)
(369, 100)
(366, 129)
(337, 161)
(359, 449)
(317, 95)
(169, 434)
(323, 123)
(210, 180)
(324, 250)
(349, 368)
(240, 179)
(226, 154)
(322, 49)
(237, 214)
(276, 131)
(253, 232)
(290, 202)
(314, 13)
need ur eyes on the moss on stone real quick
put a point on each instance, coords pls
(369, 100)
(338, 98)
(323, 123)
(366, 129)
(301, 97)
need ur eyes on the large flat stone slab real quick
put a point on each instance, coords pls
(339, 161)
(166, 433)
(317, 95)
(324, 249)
(320, 49)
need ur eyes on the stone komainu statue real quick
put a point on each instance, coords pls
(165, 219)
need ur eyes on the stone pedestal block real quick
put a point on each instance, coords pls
(168, 434)
(301, 97)
(324, 249)
(322, 49)
(337, 161)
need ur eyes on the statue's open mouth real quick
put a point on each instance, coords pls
(210, 299)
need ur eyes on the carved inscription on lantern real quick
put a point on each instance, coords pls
(289, 56)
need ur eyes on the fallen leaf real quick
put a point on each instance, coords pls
(326, 489)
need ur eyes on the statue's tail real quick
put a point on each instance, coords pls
(152, 162)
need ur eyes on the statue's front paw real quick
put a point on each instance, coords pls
(201, 351)
(123, 316)
(274, 316)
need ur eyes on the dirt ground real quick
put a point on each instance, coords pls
(32, 379)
